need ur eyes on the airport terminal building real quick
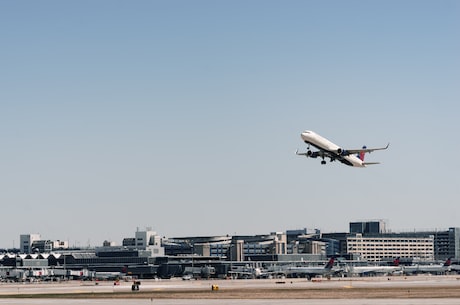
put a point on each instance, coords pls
(372, 240)
(366, 240)
(387, 246)
(146, 254)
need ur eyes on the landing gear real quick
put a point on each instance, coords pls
(323, 162)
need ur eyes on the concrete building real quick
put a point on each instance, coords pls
(237, 250)
(149, 240)
(42, 246)
(60, 244)
(33, 243)
(129, 242)
(26, 240)
(367, 240)
(257, 247)
(368, 227)
(234, 248)
(446, 242)
(108, 243)
(380, 247)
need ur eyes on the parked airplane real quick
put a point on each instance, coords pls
(246, 272)
(327, 149)
(455, 268)
(368, 270)
(309, 272)
(435, 269)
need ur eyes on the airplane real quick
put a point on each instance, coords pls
(367, 270)
(455, 268)
(309, 272)
(327, 149)
(246, 272)
(435, 269)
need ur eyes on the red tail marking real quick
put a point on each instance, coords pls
(330, 264)
(361, 154)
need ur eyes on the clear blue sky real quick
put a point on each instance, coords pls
(184, 116)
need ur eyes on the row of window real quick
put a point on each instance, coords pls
(405, 241)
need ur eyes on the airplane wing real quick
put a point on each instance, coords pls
(364, 150)
(314, 154)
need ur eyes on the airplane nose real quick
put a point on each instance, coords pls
(303, 135)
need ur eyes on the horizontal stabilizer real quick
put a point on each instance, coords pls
(370, 163)
(306, 154)
(300, 154)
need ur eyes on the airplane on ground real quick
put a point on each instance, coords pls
(309, 272)
(254, 272)
(435, 269)
(327, 149)
(455, 268)
(245, 272)
(368, 270)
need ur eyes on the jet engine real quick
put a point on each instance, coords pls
(342, 152)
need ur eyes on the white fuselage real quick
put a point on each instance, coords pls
(324, 144)
(308, 270)
(426, 269)
(374, 269)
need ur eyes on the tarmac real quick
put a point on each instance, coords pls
(396, 290)
(233, 302)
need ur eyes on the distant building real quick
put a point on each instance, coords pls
(234, 248)
(129, 242)
(366, 240)
(368, 227)
(33, 243)
(260, 247)
(383, 246)
(446, 242)
(26, 240)
(237, 250)
(332, 246)
(60, 244)
(108, 243)
(337, 243)
(42, 246)
(149, 240)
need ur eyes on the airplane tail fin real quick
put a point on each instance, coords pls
(396, 262)
(361, 154)
(330, 263)
(448, 262)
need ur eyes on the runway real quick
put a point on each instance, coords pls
(379, 290)
(232, 302)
